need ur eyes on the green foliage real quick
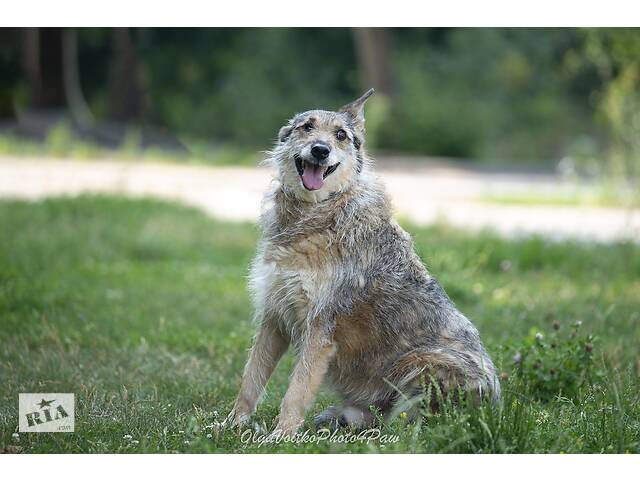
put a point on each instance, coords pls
(512, 94)
(555, 364)
(620, 104)
(537, 95)
(140, 308)
(62, 142)
(426, 118)
(488, 93)
(609, 56)
(241, 85)
(377, 116)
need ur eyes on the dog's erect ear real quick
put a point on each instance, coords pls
(355, 110)
(284, 133)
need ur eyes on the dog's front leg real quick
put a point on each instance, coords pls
(315, 354)
(268, 348)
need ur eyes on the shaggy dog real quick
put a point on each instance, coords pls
(337, 278)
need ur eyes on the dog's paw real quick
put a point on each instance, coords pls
(282, 433)
(337, 417)
(235, 419)
(274, 437)
(287, 428)
(328, 418)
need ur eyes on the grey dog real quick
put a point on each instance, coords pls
(338, 279)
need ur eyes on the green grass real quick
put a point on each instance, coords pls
(604, 193)
(61, 142)
(140, 309)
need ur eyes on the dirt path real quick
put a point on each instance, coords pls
(423, 195)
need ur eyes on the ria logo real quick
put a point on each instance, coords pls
(46, 412)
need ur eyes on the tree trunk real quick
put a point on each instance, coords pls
(373, 48)
(42, 63)
(78, 107)
(125, 95)
(31, 63)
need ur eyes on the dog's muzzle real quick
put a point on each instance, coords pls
(313, 172)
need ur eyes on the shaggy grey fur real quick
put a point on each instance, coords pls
(336, 277)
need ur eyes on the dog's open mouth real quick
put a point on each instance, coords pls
(313, 175)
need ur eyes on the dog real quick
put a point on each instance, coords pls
(336, 278)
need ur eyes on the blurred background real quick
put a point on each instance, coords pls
(559, 107)
(130, 185)
(519, 95)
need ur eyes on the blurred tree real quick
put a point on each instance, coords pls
(373, 49)
(510, 94)
(9, 71)
(42, 64)
(50, 65)
(240, 85)
(125, 89)
(616, 56)
(483, 93)
(80, 113)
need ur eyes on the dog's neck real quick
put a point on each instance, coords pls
(291, 218)
(319, 214)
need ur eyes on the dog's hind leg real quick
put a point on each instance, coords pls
(329, 417)
(348, 416)
(356, 417)
(444, 373)
(268, 348)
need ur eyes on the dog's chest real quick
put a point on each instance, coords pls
(291, 283)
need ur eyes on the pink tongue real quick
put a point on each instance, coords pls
(312, 177)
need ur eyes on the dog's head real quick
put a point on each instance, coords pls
(320, 152)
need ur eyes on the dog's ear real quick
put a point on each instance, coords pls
(284, 133)
(355, 110)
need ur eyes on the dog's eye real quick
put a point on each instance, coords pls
(341, 134)
(307, 127)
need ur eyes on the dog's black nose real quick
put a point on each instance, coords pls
(320, 151)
